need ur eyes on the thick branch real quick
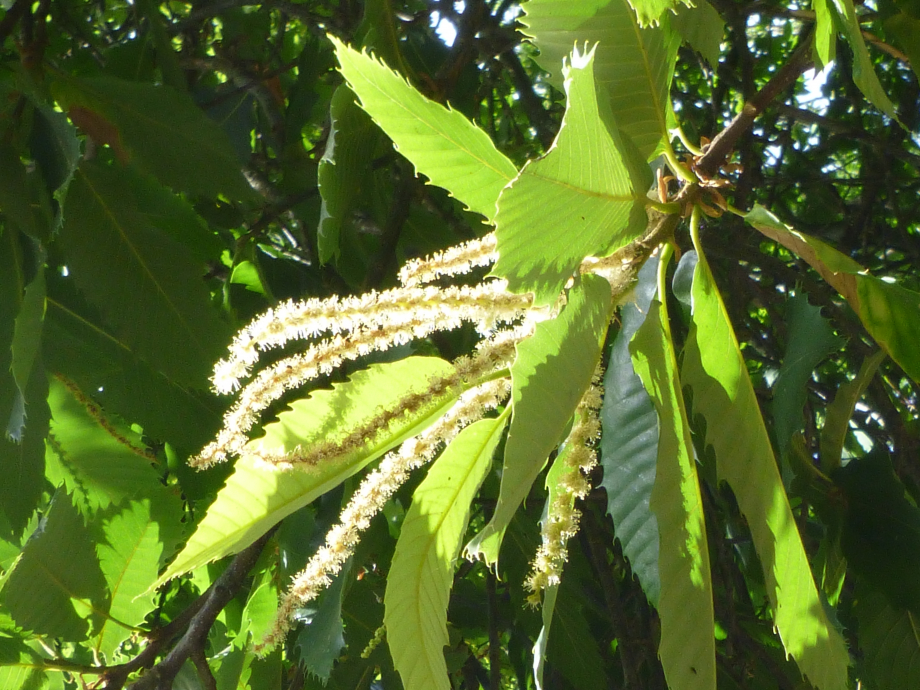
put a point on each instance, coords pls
(199, 617)
(219, 594)
(720, 147)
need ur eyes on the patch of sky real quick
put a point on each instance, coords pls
(444, 27)
(813, 97)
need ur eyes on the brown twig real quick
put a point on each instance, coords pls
(719, 149)
(198, 618)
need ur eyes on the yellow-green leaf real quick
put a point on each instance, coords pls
(421, 575)
(440, 142)
(687, 647)
(714, 368)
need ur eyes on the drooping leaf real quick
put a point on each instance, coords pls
(146, 284)
(57, 587)
(809, 340)
(441, 143)
(99, 465)
(20, 667)
(137, 539)
(702, 27)
(889, 312)
(881, 529)
(81, 347)
(825, 34)
(343, 168)
(847, 22)
(840, 410)
(687, 646)
(585, 197)
(890, 642)
(322, 639)
(26, 347)
(162, 131)
(549, 376)
(629, 444)
(633, 66)
(422, 570)
(714, 368)
(254, 498)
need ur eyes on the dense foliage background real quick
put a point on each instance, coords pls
(170, 170)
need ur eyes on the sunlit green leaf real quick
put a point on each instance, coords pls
(255, 498)
(633, 66)
(629, 444)
(136, 540)
(20, 667)
(261, 608)
(651, 11)
(549, 376)
(687, 647)
(99, 464)
(585, 197)
(714, 368)
(441, 143)
(421, 574)
(146, 284)
(56, 587)
(889, 312)
(825, 34)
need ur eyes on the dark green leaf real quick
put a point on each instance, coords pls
(164, 132)
(629, 445)
(145, 283)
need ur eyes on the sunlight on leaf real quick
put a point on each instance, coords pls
(421, 574)
(889, 312)
(255, 497)
(633, 66)
(441, 143)
(687, 647)
(586, 197)
(714, 368)
(549, 376)
(56, 587)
